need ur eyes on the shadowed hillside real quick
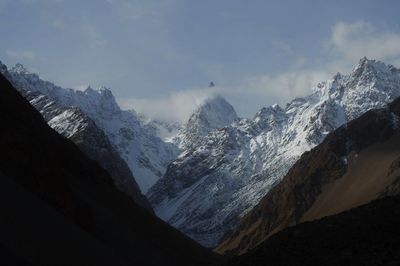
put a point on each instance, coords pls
(367, 235)
(61, 208)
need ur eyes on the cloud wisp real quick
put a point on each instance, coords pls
(358, 39)
(348, 43)
(176, 107)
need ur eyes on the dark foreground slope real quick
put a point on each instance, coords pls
(61, 208)
(367, 235)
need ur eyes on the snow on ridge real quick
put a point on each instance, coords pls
(226, 164)
(213, 113)
(238, 163)
(145, 153)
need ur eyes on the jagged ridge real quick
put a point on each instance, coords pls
(207, 189)
(357, 163)
(146, 154)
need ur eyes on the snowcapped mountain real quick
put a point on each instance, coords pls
(72, 123)
(213, 113)
(213, 183)
(354, 165)
(146, 154)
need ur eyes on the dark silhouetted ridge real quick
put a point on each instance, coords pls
(58, 204)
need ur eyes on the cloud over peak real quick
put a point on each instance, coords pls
(360, 38)
(177, 106)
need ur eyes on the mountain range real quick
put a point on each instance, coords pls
(145, 153)
(239, 185)
(209, 187)
(356, 164)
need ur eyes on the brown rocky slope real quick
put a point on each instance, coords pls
(366, 235)
(355, 164)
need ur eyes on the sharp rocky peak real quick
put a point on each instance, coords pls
(214, 112)
(102, 98)
(370, 70)
(366, 64)
(100, 101)
(101, 91)
(20, 69)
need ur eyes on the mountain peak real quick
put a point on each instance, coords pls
(100, 100)
(364, 60)
(20, 69)
(213, 113)
(95, 102)
(214, 99)
(102, 91)
(368, 67)
(224, 174)
(376, 73)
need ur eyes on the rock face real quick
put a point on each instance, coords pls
(214, 113)
(72, 123)
(61, 208)
(357, 163)
(367, 235)
(215, 182)
(146, 155)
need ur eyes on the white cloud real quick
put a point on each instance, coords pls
(348, 43)
(285, 86)
(358, 39)
(21, 54)
(255, 91)
(176, 107)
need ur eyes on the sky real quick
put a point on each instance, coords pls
(158, 57)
